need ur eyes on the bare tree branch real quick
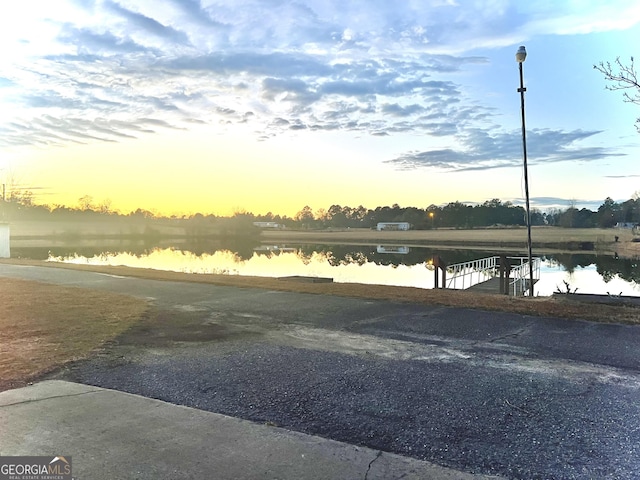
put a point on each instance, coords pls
(622, 77)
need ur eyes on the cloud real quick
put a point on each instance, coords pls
(293, 90)
(49, 130)
(210, 61)
(566, 202)
(197, 14)
(99, 43)
(549, 203)
(388, 84)
(483, 150)
(401, 111)
(146, 24)
(572, 19)
(253, 63)
(377, 68)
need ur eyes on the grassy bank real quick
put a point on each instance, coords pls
(43, 326)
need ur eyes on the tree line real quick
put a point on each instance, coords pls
(452, 215)
(461, 215)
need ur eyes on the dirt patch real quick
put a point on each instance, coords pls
(160, 328)
(43, 326)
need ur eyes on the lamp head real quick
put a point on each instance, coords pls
(521, 54)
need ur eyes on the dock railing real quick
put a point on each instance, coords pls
(464, 275)
(467, 274)
(519, 277)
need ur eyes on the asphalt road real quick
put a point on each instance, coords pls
(484, 392)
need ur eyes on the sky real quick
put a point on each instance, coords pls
(223, 106)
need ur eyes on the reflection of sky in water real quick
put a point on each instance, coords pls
(584, 279)
(288, 263)
(265, 265)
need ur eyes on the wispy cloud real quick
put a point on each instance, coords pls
(622, 176)
(58, 131)
(478, 149)
(562, 203)
(146, 25)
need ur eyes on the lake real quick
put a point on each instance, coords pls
(399, 265)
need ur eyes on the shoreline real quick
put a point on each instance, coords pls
(557, 306)
(550, 239)
(545, 240)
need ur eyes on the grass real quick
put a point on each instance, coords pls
(43, 326)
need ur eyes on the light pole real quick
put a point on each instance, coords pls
(521, 55)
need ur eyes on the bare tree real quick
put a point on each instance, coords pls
(105, 206)
(86, 203)
(622, 77)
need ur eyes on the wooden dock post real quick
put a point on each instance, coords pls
(440, 265)
(505, 273)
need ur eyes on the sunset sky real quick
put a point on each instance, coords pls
(216, 106)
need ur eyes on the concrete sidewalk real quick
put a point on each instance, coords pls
(114, 435)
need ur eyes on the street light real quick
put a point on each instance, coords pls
(521, 55)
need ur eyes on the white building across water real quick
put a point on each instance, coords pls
(393, 226)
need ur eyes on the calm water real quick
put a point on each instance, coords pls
(402, 266)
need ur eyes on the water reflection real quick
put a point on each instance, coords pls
(387, 265)
(585, 279)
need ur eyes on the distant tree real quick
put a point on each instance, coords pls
(434, 214)
(489, 213)
(321, 217)
(358, 216)
(456, 214)
(305, 217)
(416, 217)
(21, 197)
(630, 211)
(537, 217)
(12, 191)
(105, 206)
(86, 202)
(270, 217)
(585, 218)
(567, 218)
(19, 204)
(336, 216)
(140, 213)
(552, 215)
(608, 213)
(396, 213)
(382, 214)
(622, 77)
